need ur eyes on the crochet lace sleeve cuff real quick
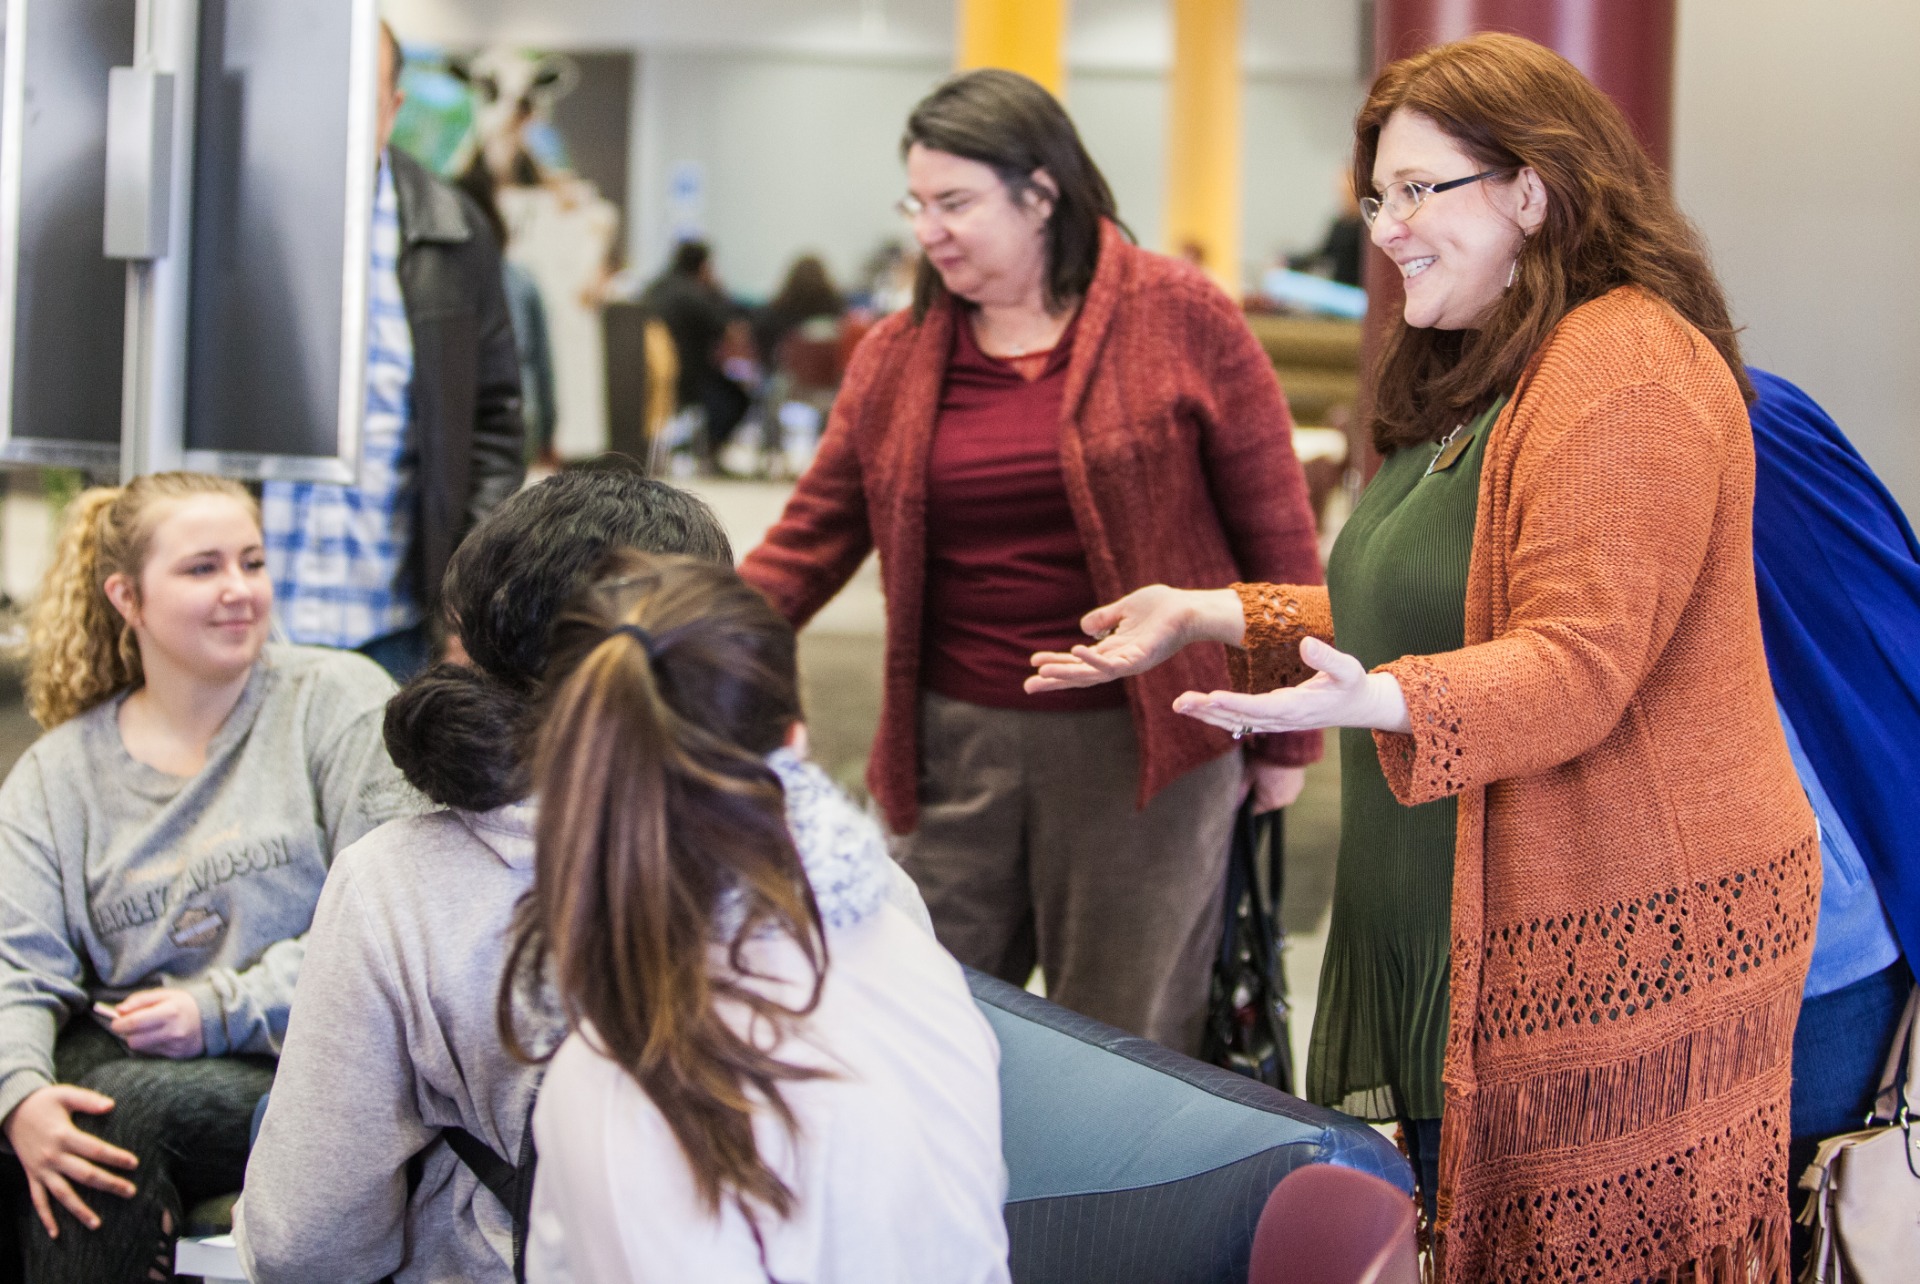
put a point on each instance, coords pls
(1427, 762)
(1279, 617)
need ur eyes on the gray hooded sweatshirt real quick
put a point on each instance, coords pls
(393, 1039)
(118, 877)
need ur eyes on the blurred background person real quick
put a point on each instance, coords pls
(803, 337)
(807, 294)
(687, 299)
(1060, 415)
(1339, 255)
(886, 279)
(442, 442)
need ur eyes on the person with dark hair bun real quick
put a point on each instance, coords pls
(1060, 417)
(395, 1030)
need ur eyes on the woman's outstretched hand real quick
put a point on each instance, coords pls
(1340, 694)
(1141, 630)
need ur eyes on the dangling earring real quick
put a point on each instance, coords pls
(1513, 271)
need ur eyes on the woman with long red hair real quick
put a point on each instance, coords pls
(1578, 879)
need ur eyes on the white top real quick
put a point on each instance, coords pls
(898, 1171)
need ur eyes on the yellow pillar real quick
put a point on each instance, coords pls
(1027, 36)
(1203, 137)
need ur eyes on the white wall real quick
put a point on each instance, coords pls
(1299, 146)
(799, 154)
(793, 110)
(897, 27)
(1794, 150)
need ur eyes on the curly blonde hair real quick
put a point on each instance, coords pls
(80, 650)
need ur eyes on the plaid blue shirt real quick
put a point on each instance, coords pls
(338, 554)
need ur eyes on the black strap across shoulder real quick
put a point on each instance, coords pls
(495, 1173)
(511, 1184)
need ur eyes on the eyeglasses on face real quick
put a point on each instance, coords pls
(942, 209)
(1404, 198)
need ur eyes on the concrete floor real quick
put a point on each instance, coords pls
(840, 662)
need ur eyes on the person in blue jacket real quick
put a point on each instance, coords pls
(1838, 571)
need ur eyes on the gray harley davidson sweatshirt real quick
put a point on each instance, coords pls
(115, 877)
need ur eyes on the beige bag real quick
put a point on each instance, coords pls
(1865, 1209)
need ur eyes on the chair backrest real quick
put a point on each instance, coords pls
(810, 356)
(663, 373)
(1330, 1225)
(1128, 1163)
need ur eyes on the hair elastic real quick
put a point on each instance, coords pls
(638, 634)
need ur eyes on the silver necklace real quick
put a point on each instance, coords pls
(1017, 349)
(1009, 349)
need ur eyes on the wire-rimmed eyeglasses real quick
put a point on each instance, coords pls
(941, 209)
(1402, 199)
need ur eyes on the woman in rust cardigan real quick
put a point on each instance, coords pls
(1060, 416)
(1561, 730)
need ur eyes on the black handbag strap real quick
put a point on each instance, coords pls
(1243, 880)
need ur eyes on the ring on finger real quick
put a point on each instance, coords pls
(1242, 731)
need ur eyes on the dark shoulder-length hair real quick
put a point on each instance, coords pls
(1014, 126)
(460, 733)
(1611, 221)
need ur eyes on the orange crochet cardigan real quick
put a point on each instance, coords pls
(1636, 873)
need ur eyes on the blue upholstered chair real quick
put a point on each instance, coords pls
(1131, 1164)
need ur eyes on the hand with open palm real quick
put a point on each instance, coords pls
(1341, 693)
(1140, 631)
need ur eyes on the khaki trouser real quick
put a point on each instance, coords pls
(1030, 850)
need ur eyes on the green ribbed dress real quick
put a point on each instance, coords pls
(1397, 582)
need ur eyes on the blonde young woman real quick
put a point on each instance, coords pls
(162, 848)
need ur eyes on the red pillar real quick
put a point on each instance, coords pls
(1624, 46)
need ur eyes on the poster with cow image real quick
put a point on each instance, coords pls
(545, 137)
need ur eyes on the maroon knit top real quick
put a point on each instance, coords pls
(1006, 569)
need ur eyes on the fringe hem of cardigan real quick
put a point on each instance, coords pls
(1634, 1167)
(1759, 1255)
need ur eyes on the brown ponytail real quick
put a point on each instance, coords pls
(661, 835)
(80, 650)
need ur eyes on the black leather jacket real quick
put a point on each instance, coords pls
(467, 426)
